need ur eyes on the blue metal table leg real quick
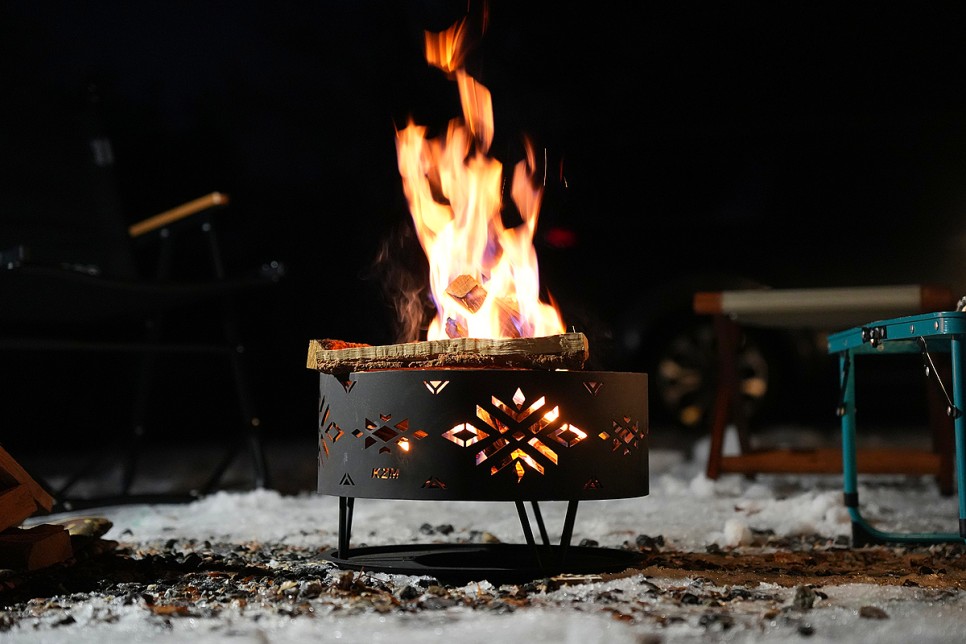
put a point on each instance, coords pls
(863, 533)
(959, 423)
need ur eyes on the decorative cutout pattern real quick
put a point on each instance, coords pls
(627, 434)
(593, 387)
(465, 435)
(520, 436)
(329, 431)
(382, 432)
(435, 386)
(434, 483)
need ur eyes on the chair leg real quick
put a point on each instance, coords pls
(139, 413)
(727, 334)
(250, 420)
(942, 428)
(250, 427)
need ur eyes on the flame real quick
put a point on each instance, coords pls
(484, 276)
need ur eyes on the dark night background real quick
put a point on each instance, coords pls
(781, 143)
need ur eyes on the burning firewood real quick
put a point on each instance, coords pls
(455, 329)
(468, 292)
(509, 316)
(563, 351)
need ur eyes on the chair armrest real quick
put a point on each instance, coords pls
(177, 213)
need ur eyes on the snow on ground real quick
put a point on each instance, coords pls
(688, 510)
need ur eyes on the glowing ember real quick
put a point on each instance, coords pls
(484, 276)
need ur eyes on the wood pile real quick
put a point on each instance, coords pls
(21, 497)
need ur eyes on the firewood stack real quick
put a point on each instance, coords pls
(21, 497)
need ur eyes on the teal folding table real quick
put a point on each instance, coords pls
(927, 334)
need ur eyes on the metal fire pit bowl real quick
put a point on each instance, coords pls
(483, 435)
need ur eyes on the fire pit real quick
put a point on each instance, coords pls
(495, 405)
(485, 433)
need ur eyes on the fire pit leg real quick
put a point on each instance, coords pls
(543, 529)
(528, 531)
(525, 522)
(345, 524)
(568, 527)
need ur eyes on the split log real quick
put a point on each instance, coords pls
(33, 548)
(16, 485)
(468, 292)
(16, 504)
(564, 351)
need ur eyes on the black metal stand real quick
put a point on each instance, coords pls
(497, 563)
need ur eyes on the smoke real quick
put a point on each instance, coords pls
(402, 269)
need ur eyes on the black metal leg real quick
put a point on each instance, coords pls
(543, 528)
(346, 504)
(525, 522)
(528, 532)
(236, 350)
(568, 528)
(140, 410)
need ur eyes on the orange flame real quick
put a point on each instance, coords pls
(484, 277)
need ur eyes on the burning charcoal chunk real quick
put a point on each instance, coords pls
(426, 529)
(468, 292)
(589, 543)
(444, 528)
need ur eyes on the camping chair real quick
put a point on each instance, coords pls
(64, 308)
(72, 280)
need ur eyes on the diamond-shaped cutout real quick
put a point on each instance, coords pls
(334, 432)
(568, 435)
(465, 435)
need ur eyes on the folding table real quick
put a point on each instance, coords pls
(927, 334)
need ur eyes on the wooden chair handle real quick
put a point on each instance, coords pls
(177, 213)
